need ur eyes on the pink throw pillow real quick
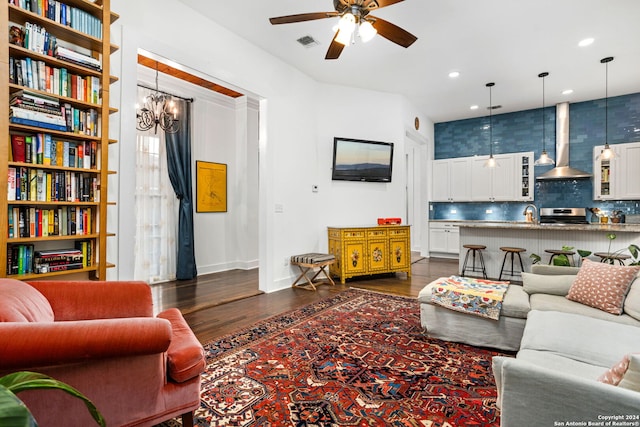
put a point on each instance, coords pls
(614, 375)
(603, 286)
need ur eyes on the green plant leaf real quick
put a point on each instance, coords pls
(22, 381)
(634, 250)
(561, 261)
(535, 258)
(611, 236)
(13, 413)
(583, 253)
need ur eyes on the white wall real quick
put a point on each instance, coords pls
(298, 120)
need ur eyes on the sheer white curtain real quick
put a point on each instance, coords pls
(156, 208)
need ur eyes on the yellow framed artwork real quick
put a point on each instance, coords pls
(211, 187)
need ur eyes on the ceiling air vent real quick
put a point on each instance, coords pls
(308, 41)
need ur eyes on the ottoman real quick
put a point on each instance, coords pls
(449, 325)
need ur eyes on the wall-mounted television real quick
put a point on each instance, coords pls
(360, 160)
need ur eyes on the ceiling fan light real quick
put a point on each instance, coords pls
(347, 23)
(367, 31)
(343, 37)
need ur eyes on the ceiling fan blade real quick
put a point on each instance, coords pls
(301, 17)
(393, 33)
(377, 4)
(335, 49)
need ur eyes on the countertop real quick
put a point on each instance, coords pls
(620, 228)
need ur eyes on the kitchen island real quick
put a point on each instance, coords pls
(535, 238)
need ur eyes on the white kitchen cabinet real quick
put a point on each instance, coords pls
(444, 238)
(465, 179)
(616, 178)
(495, 184)
(450, 180)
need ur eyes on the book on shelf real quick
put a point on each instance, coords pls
(18, 148)
(67, 54)
(36, 98)
(37, 116)
(64, 14)
(20, 259)
(35, 123)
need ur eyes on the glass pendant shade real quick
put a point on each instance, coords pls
(607, 153)
(544, 158)
(366, 31)
(343, 37)
(491, 161)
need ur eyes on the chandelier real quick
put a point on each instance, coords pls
(157, 110)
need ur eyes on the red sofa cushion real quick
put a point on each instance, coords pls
(185, 356)
(20, 302)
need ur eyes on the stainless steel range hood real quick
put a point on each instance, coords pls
(562, 169)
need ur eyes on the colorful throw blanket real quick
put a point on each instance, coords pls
(469, 295)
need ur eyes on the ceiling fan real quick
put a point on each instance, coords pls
(354, 15)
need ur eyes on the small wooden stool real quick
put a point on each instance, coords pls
(473, 249)
(513, 252)
(306, 263)
(612, 258)
(556, 252)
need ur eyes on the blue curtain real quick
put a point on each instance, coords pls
(179, 164)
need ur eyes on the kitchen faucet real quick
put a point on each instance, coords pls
(535, 212)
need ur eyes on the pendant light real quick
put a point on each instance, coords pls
(491, 161)
(607, 153)
(544, 156)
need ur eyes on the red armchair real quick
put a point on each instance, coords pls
(101, 338)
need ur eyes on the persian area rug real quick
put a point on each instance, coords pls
(358, 358)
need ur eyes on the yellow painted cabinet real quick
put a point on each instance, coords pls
(369, 250)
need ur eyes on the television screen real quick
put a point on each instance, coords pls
(359, 160)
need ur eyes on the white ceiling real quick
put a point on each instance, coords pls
(508, 42)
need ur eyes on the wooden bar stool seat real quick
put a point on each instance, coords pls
(473, 249)
(510, 251)
(556, 252)
(612, 258)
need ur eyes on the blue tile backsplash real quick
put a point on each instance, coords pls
(522, 131)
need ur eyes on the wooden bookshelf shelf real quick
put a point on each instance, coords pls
(91, 106)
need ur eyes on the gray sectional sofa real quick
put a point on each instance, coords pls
(565, 346)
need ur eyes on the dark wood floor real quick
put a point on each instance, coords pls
(218, 304)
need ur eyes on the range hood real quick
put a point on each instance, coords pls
(562, 169)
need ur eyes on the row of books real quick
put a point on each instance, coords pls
(32, 109)
(36, 74)
(63, 14)
(45, 149)
(36, 39)
(24, 259)
(37, 185)
(26, 222)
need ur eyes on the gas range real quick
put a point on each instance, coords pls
(563, 216)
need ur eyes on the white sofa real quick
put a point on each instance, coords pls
(566, 346)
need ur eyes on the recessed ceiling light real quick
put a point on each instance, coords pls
(454, 74)
(567, 92)
(474, 107)
(586, 42)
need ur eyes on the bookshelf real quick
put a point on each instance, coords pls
(56, 144)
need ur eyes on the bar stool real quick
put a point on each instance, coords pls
(556, 252)
(612, 258)
(513, 252)
(473, 249)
